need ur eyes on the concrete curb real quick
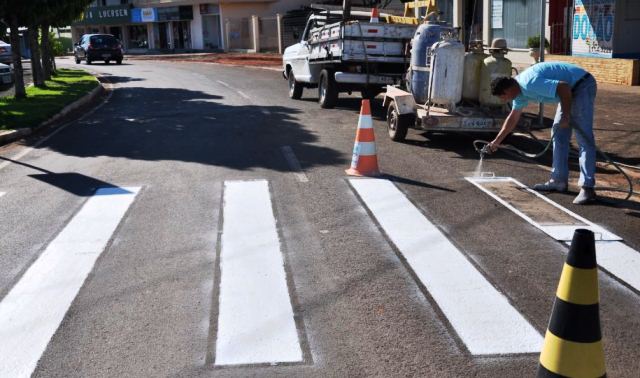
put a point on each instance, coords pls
(8, 136)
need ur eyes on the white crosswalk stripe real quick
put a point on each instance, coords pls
(32, 310)
(480, 315)
(255, 321)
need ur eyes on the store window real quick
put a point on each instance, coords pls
(138, 38)
(181, 35)
(210, 25)
(515, 21)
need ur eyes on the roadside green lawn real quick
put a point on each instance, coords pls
(43, 103)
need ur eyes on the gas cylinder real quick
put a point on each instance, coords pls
(493, 67)
(472, 65)
(425, 36)
(447, 69)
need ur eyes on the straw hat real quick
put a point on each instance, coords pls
(499, 44)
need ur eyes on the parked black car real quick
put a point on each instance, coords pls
(94, 47)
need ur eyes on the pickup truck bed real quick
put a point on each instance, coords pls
(360, 41)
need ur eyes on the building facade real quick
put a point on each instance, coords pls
(178, 25)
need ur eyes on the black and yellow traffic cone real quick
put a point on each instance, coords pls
(573, 342)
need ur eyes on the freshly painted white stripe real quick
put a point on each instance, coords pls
(243, 95)
(558, 232)
(223, 83)
(364, 148)
(620, 260)
(34, 308)
(255, 321)
(294, 164)
(481, 316)
(365, 122)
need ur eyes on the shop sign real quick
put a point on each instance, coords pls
(117, 14)
(593, 23)
(144, 15)
(175, 13)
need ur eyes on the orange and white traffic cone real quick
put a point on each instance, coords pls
(364, 161)
(374, 15)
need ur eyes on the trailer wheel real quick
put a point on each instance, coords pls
(295, 88)
(327, 90)
(398, 124)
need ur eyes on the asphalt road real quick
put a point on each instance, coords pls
(149, 306)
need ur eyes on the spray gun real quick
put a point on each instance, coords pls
(486, 150)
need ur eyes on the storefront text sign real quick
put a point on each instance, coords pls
(106, 15)
(593, 23)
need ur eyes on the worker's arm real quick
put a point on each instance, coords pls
(508, 126)
(564, 93)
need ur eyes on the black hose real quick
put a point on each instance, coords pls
(630, 192)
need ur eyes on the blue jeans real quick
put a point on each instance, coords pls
(581, 119)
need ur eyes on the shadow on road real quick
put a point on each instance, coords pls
(72, 182)
(176, 124)
(111, 79)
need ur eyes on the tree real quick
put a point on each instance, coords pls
(36, 65)
(60, 13)
(33, 13)
(14, 12)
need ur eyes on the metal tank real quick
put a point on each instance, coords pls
(447, 69)
(472, 66)
(425, 36)
(493, 67)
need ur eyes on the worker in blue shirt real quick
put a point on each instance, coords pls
(575, 90)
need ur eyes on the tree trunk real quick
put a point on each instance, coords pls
(36, 65)
(17, 57)
(47, 56)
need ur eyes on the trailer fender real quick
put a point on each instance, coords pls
(405, 102)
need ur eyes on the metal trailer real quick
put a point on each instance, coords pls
(404, 113)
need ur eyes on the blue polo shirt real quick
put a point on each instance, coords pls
(539, 82)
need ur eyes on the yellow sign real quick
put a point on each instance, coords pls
(421, 4)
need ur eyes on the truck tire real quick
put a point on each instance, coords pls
(398, 124)
(295, 88)
(327, 90)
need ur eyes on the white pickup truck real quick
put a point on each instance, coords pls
(337, 56)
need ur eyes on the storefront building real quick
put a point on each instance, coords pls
(174, 26)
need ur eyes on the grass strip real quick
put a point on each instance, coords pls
(43, 103)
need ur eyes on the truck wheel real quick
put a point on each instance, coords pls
(295, 88)
(398, 124)
(327, 90)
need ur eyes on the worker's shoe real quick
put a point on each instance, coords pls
(551, 186)
(585, 196)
